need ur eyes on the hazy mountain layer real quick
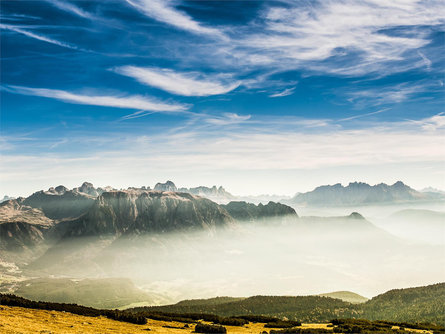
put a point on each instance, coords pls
(217, 194)
(249, 212)
(100, 293)
(346, 296)
(358, 193)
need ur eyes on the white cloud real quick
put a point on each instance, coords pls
(69, 7)
(227, 119)
(37, 36)
(185, 84)
(164, 11)
(127, 102)
(434, 123)
(246, 150)
(391, 94)
(286, 92)
(303, 36)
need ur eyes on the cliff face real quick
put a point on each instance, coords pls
(22, 227)
(244, 211)
(127, 212)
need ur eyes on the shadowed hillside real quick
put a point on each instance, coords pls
(421, 304)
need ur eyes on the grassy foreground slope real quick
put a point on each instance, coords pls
(29, 321)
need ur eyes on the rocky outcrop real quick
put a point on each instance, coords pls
(138, 212)
(358, 193)
(22, 227)
(88, 188)
(244, 211)
(167, 186)
(214, 193)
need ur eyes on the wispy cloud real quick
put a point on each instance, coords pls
(425, 60)
(126, 102)
(137, 114)
(38, 37)
(18, 17)
(364, 115)
(227, 119)
(69, 7)
(286, 92)
(241, 150)
(164, 11)
(434, 123)
(391, 94)
(342, 37)
(185, 84)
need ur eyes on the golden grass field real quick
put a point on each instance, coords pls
(14, 320)
(27, 321)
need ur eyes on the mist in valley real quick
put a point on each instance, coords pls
(323, 250)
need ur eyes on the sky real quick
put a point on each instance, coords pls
(261, 97)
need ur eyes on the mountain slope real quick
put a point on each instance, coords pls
(420, 304)
(60, 203)
(22, 227)
(303, 308)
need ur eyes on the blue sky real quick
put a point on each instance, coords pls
(259, 96)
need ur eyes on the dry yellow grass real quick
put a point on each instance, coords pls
(14, 320)
(31, 321)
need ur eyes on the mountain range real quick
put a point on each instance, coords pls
(58, 213)
(359, 193)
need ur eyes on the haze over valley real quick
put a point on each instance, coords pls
(171, 244)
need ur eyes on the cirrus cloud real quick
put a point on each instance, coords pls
(180, 83)
(126, 102)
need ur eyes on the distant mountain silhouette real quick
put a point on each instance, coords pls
(358, 193)
(346, 296)
(249, 212)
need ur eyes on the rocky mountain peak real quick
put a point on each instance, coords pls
(167, 186)
(87, 188)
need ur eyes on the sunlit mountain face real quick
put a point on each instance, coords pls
(230, 148)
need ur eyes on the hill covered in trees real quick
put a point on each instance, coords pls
(425, 304)
(420, 304)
